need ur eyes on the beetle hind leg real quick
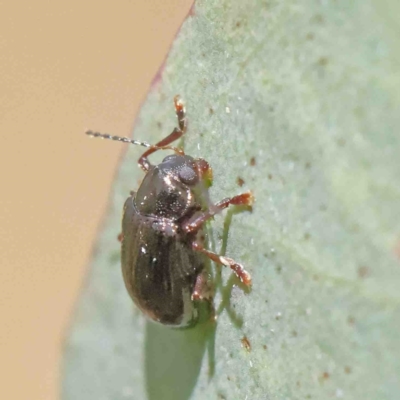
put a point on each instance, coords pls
(203, 291)
(237, 268)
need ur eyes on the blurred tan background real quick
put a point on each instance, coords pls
(65, 67)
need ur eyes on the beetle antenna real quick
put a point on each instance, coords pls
(117, 138)
(132, 141)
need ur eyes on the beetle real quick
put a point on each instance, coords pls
(163, 255)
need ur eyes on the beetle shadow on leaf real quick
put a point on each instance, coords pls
(173, 359)
(226, 290)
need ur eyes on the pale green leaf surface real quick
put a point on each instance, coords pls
(311, 89)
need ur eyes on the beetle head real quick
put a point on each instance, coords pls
(170, 189)
(188, 170)
(165, 191)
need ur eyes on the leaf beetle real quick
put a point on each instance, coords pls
(163, 255)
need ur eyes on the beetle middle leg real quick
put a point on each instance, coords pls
(195, 223)
(174, 135)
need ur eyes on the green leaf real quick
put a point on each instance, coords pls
(311, 92)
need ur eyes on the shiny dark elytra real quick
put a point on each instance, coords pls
(163, 255)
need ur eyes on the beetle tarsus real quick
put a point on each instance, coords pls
(180, 113)
(239, 270)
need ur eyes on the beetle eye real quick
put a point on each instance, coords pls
(171, 157)
(188, 175)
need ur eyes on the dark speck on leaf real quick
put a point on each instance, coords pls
(323, 377)
(246, 343)
(341, 142)
(323, 61)
(310, 36)
(318, 19)
(239, 181)
(362, 272)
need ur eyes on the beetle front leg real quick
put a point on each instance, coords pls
(237, 268)
(195, 223)
(174, 135)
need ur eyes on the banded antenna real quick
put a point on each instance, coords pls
(118, 138)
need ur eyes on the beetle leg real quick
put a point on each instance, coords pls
(180, 113)
(202, 289)
(174, 135)
(195, 223)
(237, 268)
